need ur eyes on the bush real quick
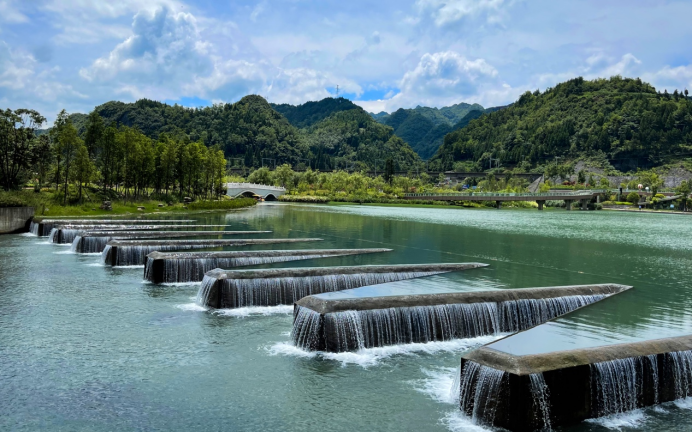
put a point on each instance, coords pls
(8, 200)
(633, 197)
(303, 199)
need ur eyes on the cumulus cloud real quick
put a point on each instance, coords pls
(10, 13)
(445, 12)
(671, 78)
(443, 78)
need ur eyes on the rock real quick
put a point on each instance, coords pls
(140, 208)
(170, 203)
(106, 205)
(184, 207)
(160, 204)
(187, 200)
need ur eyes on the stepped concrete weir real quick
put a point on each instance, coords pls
(95, 241)
(185, 267)
(268, 287)
(134, 252)
(347, 324)
(43, 227)
(65, 234)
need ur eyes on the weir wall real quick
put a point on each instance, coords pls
(15, 219)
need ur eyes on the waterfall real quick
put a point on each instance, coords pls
(128, 255)
(541, 400)
(305, 335)
(75, 244)
(193, 269)
(479, 388)
(358, 329)
(681, 366)
(90, 244)
(68, 235)
(205, 290)
(54, 236)
(106, 254)
(617, 385)
(653, 362)
(33, 228)
(286, 290)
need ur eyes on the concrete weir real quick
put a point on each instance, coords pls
(339, 325)
(184, 267)
(95, 241)
(43, 227)
(537, 392)
(267, 287)
(65, 234)
(134, 252)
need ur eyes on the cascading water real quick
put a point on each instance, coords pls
(479, 388)
(76, 244)
(353, 330)
(287, 290)
(193, 269)
(90, 244)
(205, 290)
(33, 228)
(137, 254)
(54, 236)
(681, 366)
(541, 400)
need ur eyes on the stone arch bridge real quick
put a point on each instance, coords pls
(266, 192)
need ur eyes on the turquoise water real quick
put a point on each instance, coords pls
(87, 347)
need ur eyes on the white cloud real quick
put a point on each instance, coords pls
(671, 78)
(10, 13)
(624, 67)
(257, 11)
(445, 12)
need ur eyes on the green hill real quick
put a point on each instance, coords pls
(424, 128)
(309, 113)
(625, 119)
(251, 130)
(353, 135)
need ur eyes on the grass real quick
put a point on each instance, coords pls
(45, 203)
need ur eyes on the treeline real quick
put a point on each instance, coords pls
(330, 134)
(624, 119)
(116, 158)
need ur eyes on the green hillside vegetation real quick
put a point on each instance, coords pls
(623, 120)
(253, 134)
(424, 128)
(353, 136)
(309, 113)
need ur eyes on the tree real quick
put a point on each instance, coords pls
(83, 168)
(17, 136)
(633, 197)
(260, 176)
(94, 133)
(685, 189)
(389, 171)
(283, 174)
(652, 180)
(68, 144)
(581, 177)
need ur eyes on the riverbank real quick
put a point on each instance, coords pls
(45, 205)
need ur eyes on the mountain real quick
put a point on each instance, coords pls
(309, 113)
(624, 119)
(353, 135)
(424, 128)
(252, 130)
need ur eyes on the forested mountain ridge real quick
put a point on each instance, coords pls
(311, 112)
(424, 128)
(251, 130)
(625, 119)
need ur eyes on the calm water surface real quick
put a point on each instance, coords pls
(87, 347)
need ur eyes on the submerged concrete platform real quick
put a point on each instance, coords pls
(95, 241)
(43, 226)
(267, 287)
(338, 325)
(182, 267)
(134, 252)
(65, 234)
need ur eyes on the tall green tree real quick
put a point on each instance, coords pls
(17, 138)
(68, 145)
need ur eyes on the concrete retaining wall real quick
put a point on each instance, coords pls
(15, 219)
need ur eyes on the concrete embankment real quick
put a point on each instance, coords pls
(338, 325)
(95, 241)
(43, 226)
(15, 219)
(65, 234)
(573, 385)
(134, 252)
(183, 267)
(266, 287)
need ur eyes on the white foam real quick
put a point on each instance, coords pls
(191, 307)
(457, 421)
(630, 419)
(44, 243)
(186, 283)
(256, 311)
(684, 403)
(89, 254)
(438, 385)
(100, 265)
(62, 245)
(28, 234)
(128, 266)
(64, 252)
(373, 356)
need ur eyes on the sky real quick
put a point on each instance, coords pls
(384, 55)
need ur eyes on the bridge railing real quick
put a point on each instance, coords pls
(255, 186)
(501, 194)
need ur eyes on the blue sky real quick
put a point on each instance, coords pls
(384, 55)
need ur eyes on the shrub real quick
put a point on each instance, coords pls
(222, 204)
(633, 197)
